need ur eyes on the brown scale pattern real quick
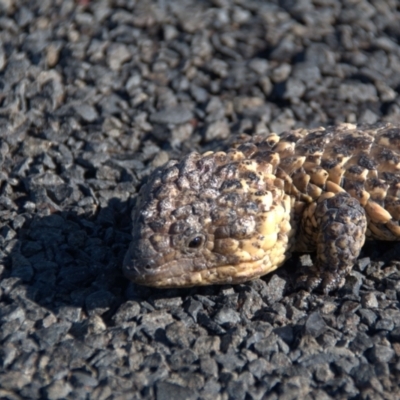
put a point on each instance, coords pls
(228, 217)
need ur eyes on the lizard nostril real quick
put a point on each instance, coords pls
(148, 266)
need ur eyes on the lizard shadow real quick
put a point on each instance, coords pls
(69, 260)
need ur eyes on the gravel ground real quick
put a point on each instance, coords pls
(93, 96)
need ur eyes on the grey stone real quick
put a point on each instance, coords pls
(209, 366)
(315, 325)
(381, 353)
(286, 333)
(58, 390)
(166, 391)
(361, 343)
(207, 344)
(182, 359)
(178, 335)
(237, 390)
(362, 374)
(260, 368)
(208, 323)
(356, 92)
(53, 334)
(367, 316)
(217, 130)
(384, 324)
(199, 94)
(227, 316)
(193, 307)
(230, 361)
(275, 289)
(173, 115)
(295, 89)
(266, 347)
(82, 379)
(126, 312)
(155, 320)
(86, 112)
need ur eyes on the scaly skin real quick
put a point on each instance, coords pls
(229, 217)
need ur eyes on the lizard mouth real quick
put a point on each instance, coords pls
(183, 272)
(167, 275)
(157, 272)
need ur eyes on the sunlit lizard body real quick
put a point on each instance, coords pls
(229, 217)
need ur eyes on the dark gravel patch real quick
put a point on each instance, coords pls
(93, 96)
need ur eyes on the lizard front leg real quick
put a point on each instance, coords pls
(335, 228)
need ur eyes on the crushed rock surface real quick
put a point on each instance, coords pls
(93, 96)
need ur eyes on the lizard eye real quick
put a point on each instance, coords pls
(196, 242)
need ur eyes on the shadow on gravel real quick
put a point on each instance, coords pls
(70, 260)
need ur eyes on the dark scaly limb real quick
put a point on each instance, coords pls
(335, 228)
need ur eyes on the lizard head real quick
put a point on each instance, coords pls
(215, 218)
